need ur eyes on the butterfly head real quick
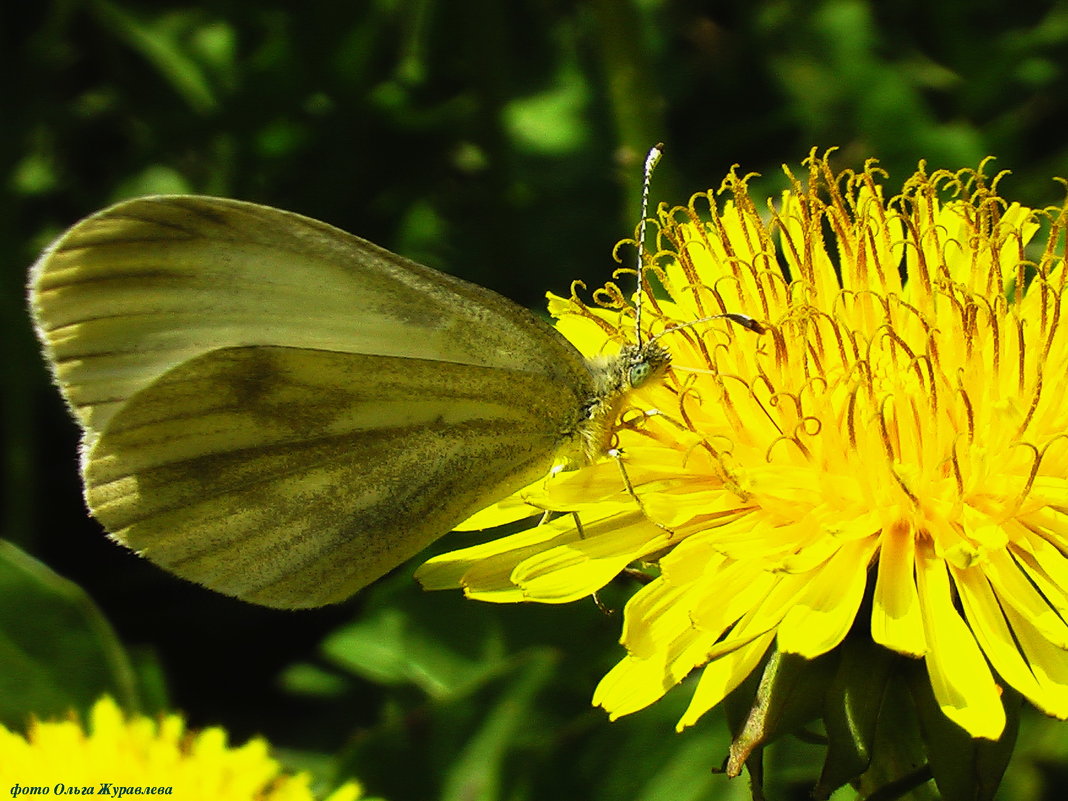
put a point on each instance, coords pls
(642, 363)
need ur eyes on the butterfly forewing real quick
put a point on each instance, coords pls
(147, 284)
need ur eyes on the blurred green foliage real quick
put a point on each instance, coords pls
(501, 142)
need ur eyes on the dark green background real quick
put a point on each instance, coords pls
(501, 141)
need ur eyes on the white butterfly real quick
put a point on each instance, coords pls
(284, 412)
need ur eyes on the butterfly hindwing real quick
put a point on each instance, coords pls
(293, 477)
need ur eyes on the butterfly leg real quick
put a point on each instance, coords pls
(617, 454)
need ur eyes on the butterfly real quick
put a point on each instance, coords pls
(282, 411)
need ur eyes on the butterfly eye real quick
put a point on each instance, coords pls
(639, 372)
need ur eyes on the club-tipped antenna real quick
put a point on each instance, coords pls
(651, 160)
(744, 320)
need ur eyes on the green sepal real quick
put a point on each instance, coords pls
(851, 711)
(963, 767)
(789, 696)
(898, 766)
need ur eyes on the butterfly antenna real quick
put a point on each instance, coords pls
(651, 160)
(744, 320)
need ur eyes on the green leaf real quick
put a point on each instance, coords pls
(57, 649)
(182, 47)
(396, 643)
(478, 771)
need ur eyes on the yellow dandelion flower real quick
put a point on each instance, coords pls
(896, 434)
(118, 756)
